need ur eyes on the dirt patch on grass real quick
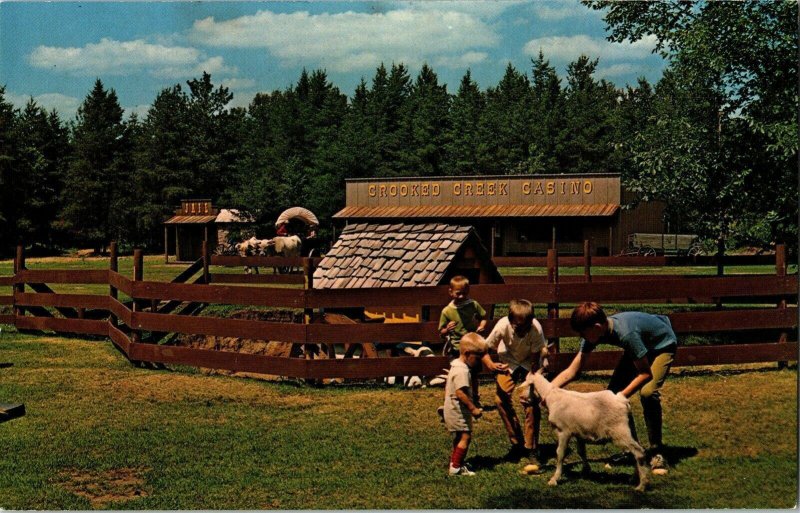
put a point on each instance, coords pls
(103, 487)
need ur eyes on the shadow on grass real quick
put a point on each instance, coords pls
(673, 455)
(566, 495)
(592, 490)
(485, 462)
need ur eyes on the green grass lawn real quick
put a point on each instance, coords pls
(100, 433)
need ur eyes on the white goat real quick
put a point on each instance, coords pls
(590, 417)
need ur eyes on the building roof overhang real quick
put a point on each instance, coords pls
(190, 219)
(477, 211)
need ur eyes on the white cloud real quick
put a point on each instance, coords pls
(560, 10)
(349, 40)
(111, 57)
(238, 83)
(140, 111)
(242, 99)
(617, 69)
(212, 66)
(481, 8)
(67, 106)
(461, 61)
(570, 47)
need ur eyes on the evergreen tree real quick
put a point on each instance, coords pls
(463, 133)
(634, 110)
(325, 171)
(212, 130)
(38, 177)
(585, 141)
(547, 116)
(8, 162)
(505, 146)
(357, 145)
(427, 120)
(257, 173)
(388, 107)
(90, 177)
(163, 167)
(291, 156)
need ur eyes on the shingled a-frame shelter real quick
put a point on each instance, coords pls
(404, 255)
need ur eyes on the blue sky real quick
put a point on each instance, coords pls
(54, 51)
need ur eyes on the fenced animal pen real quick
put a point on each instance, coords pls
(136, 314)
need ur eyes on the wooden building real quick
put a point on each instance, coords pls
(403, 255)
(513, 215)
(197, 220)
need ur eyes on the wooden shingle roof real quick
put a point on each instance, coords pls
(396, 255)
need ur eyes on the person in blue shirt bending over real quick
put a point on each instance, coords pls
(649, 346)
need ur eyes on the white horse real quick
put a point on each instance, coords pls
(284, 246)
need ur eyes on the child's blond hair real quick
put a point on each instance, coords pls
(459, 281)
(521, 309)
(473, 343)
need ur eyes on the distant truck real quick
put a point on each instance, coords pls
(652, 244)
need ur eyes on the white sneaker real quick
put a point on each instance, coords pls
(460, 471)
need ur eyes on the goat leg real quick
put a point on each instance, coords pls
(563, 441)
(642, 468)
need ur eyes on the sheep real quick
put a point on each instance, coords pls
(590, 417)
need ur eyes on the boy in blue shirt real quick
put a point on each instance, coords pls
(649, 345)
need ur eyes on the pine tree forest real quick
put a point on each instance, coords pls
(722, 154)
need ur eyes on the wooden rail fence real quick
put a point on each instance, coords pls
(153, 308)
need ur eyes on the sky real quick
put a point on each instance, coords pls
(54, 51)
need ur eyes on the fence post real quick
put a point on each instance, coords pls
(113, 265)
(308, 270)
(587, 260)
(780, 270)
(720, 265)
(138, 274)
(552, 277)
(19, 265)
(206, 263)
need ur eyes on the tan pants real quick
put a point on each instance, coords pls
(649, 394)
(504, 397)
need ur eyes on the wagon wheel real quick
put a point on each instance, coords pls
(695, 250)
(647, 251)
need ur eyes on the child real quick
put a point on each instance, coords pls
(521, 347)
(461, 316)
(458, 405)
(649, 344)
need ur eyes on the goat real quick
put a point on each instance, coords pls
(590, 417)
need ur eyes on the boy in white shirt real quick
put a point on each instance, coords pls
(458, 407)
(521, 347)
